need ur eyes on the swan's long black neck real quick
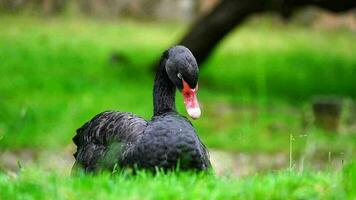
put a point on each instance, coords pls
(163, 91)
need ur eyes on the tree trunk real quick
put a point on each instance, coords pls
(327, 111)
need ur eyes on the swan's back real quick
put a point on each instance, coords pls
(167, 141)
(170, 141)
(106, 140)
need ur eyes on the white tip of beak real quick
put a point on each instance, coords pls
(194, 112)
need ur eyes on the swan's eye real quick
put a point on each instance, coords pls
(179, 75)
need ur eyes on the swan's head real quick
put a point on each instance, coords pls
(183, 71)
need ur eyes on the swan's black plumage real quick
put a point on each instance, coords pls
(166, 141)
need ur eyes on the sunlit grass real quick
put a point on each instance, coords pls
(38, 184)
(289, 63)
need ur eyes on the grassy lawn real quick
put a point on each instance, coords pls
(255, 90)
(35, 184)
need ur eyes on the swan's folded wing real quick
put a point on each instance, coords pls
(95, 139)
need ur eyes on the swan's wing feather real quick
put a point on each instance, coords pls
(97, 138)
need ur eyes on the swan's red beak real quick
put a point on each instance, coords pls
(191, 101)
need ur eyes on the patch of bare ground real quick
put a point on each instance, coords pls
(224, 163)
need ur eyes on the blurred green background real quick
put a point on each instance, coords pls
(61, 66)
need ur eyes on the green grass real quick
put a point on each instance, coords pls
(56, 74)
(255, 91)
(286, 62)
(38, 184)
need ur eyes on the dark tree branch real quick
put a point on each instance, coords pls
(331, 5)
(209, 30)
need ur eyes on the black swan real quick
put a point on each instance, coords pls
(166, 142)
